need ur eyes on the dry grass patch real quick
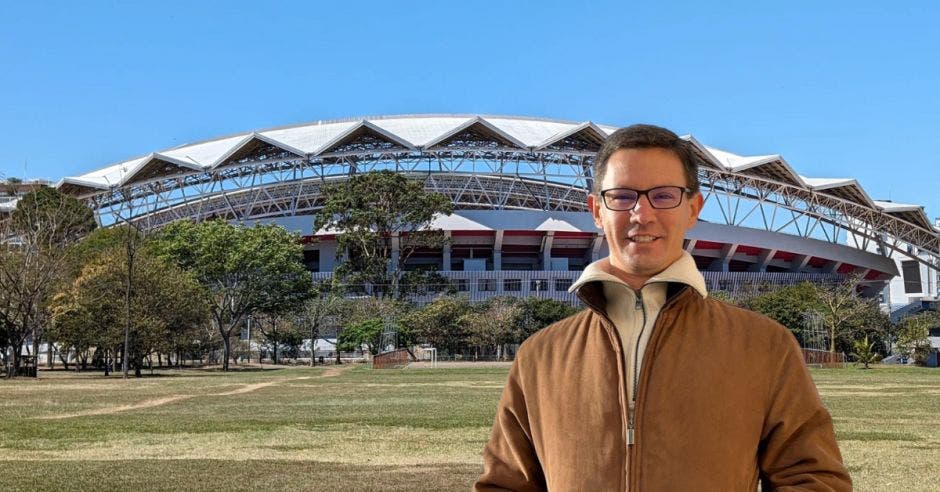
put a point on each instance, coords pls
(358, 429)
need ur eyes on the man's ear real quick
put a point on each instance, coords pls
(594, 203)
(696, 202)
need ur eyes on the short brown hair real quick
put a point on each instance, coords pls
(647, 137)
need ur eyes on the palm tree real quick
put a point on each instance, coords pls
(864, 352)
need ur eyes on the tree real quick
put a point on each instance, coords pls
(537, 313)
(913, 335)
(324, 303)
(440, 322)
(864, 352)
(358, 312)
(843, 312)
(491, 324)
(368, 332)
(280, 332)
(244, 270)
(33, 255)
(383, 218)
(165, 300)
(787, 305)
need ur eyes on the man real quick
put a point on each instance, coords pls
(656, 386)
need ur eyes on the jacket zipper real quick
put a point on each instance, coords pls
(622, 364)
(633, 476)
(630, 473)
(631, 438)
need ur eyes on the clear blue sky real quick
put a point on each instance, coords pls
(838, 88)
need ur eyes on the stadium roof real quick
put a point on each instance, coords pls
(427, 132)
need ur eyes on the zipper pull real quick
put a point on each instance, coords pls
(630, 437)
(639, 301)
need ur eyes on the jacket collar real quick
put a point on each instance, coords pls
(677, 276)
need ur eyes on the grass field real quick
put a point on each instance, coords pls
(358, 429)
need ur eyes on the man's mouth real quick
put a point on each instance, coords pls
(642, 238)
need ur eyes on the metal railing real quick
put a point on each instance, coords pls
(479, 286)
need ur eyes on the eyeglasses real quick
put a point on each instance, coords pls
(623, 199)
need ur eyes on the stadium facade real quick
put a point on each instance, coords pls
(519, 186)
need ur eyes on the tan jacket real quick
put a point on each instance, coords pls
(724, 400)
(633, 313)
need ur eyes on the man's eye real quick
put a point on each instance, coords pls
(665, 196)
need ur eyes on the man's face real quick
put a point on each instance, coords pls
(645, 240)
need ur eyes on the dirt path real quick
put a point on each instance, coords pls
(122, 408)
(248, 388)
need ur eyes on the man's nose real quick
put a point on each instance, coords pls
(643, 211)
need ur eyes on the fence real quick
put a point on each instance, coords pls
(478, 286)
(823, 358)
(395, 359)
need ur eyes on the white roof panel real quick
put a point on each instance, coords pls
(530, 132)
(205, 153)
(420, 131)
(823, 183)
(896, 207)
(735, 162)
(112, 175)
(311, 138)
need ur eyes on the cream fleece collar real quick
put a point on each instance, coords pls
(682, 271)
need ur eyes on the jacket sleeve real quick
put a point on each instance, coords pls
(509, 458)
(798, 446)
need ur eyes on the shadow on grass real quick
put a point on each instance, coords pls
(175, 475)
(165, 372)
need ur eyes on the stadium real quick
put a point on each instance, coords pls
(519, 187)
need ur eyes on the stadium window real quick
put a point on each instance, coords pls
(538, 285)
(562, 284)
(486, 285)
(512, 284)
(461, 284)
(910, 272)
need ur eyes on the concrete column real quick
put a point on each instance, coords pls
(327, 256)
(498, 251)
(395, 254)
(723, 262)
(831, 266)
(547, 250)
(799, 262)
(763, 259)
(445, 261)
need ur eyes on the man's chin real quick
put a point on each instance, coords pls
(641, 267)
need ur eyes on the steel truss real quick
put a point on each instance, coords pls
(475, 173)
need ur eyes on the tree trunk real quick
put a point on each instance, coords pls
(65, 359)
(313, 345)
(274, 329)
(15, 360)
(832, 340)
(35, 355)
(227, 348)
